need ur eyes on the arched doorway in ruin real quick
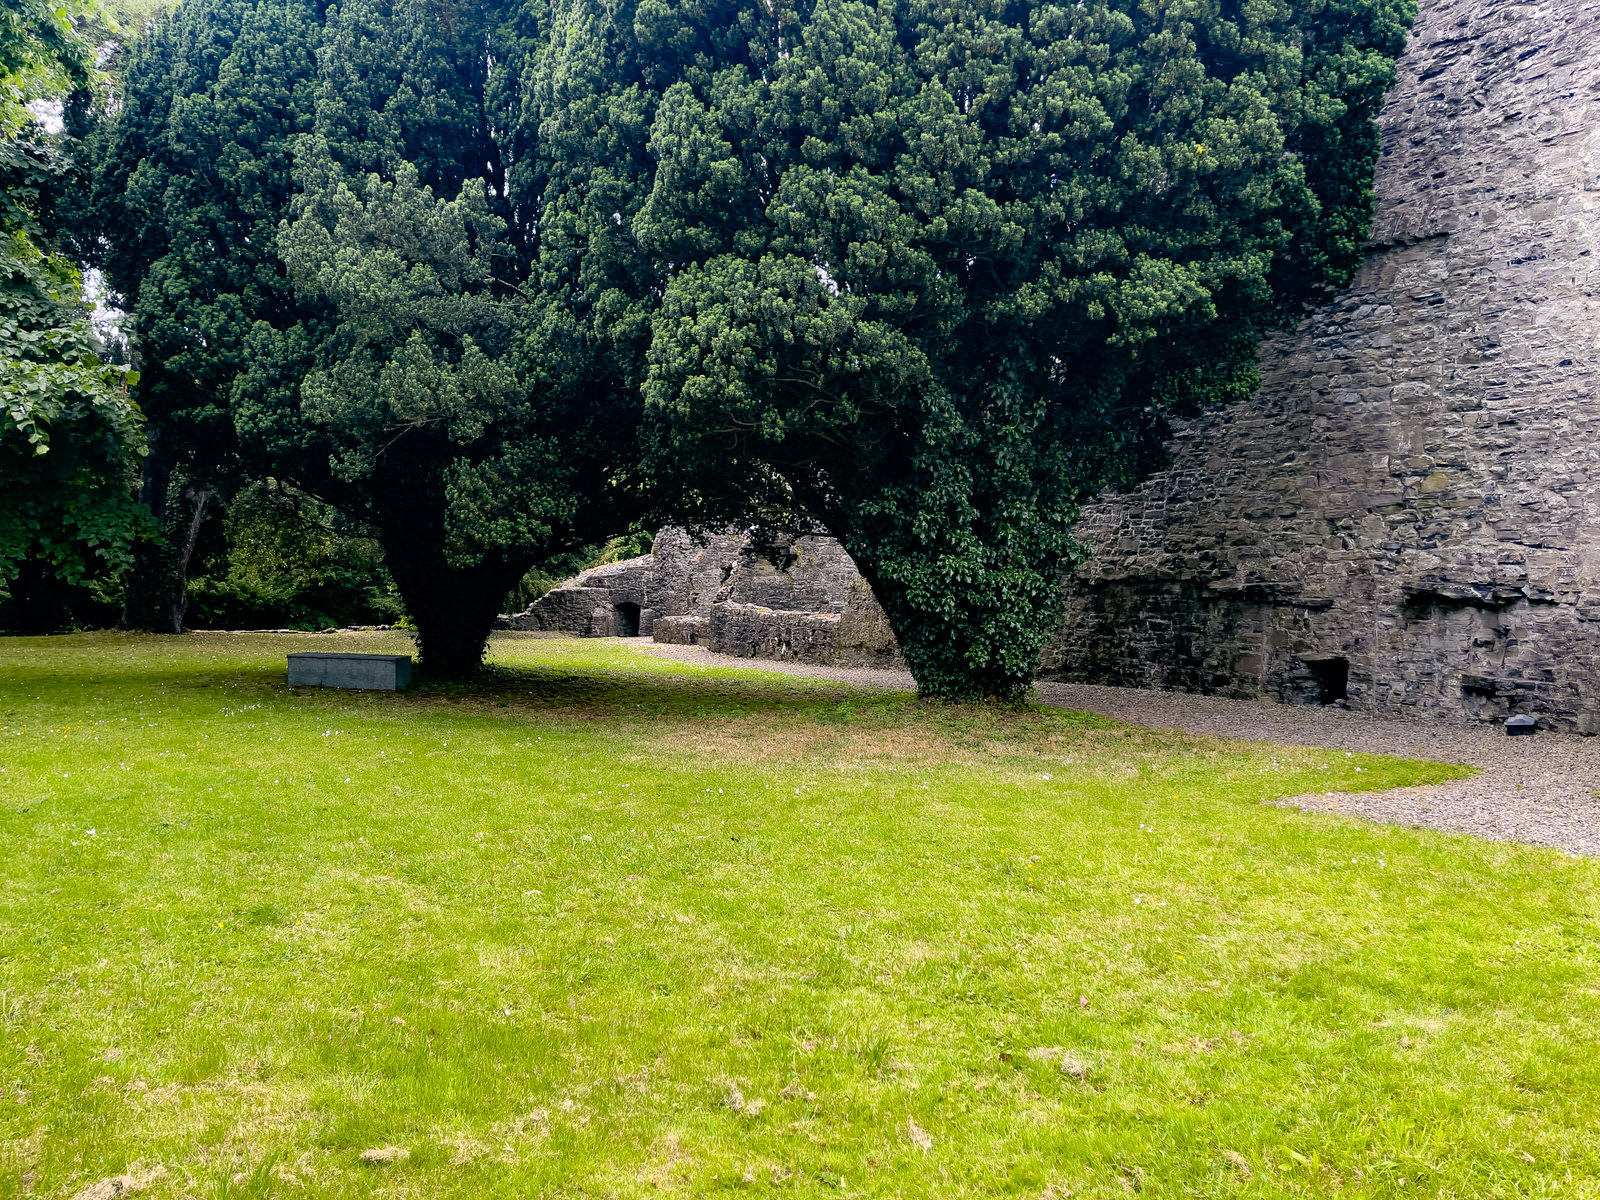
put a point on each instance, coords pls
(627, 620)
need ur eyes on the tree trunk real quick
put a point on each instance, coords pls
(145, 589)
(199, 499)
(454, 609)
(156, 596)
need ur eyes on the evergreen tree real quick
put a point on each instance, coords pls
(468, 383)
(355, 267)
(936, 272)
(195, 174)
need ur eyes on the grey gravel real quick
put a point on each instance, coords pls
(1540, 790)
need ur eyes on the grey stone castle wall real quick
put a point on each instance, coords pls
(1410, 506)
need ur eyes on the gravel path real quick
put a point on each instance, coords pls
(1538, 789)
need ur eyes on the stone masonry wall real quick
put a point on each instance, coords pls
(813, 606)
(1409, 509)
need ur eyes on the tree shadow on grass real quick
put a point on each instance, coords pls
(239, 671)
(795, 714)
(91, 669)
(620, 692)
(579, 692)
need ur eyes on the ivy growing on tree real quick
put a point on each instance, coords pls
(69, 429)
(936, 273)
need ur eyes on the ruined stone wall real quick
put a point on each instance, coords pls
(812, 605)
(568, 609)
(1409, 509)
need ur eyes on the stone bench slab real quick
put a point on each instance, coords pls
(375, 672)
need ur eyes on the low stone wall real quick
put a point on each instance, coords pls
(565, 610)
(753, 631)
(750, 631)
(681, 631)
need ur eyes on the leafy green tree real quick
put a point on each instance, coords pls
(936, 272)
(194, 175)
(279, 558)
(466, 378)
(68, 427)
(69, 437)
(354, 267)
(43, 56)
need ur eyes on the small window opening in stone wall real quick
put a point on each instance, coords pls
(1332, 677)
(627, 620)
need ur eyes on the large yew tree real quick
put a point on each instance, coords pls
(426, 310)
(937, 271)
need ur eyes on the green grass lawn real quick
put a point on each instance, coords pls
(615, 926)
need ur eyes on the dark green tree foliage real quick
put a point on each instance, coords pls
(68, 427)
(466, 379)
(938, 270)
(408, 408)
(69, 437)
(196, 172)
(281, 559)
(355, 268)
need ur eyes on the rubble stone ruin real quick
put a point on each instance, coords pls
(811, 605)
(1406, 516)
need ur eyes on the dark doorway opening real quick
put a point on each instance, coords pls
(1333, 678)
(627, 620)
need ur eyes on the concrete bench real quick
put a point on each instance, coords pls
(379, 672)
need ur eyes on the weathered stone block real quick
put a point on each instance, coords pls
(680, 631)
(372, 672)
(561, 610)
